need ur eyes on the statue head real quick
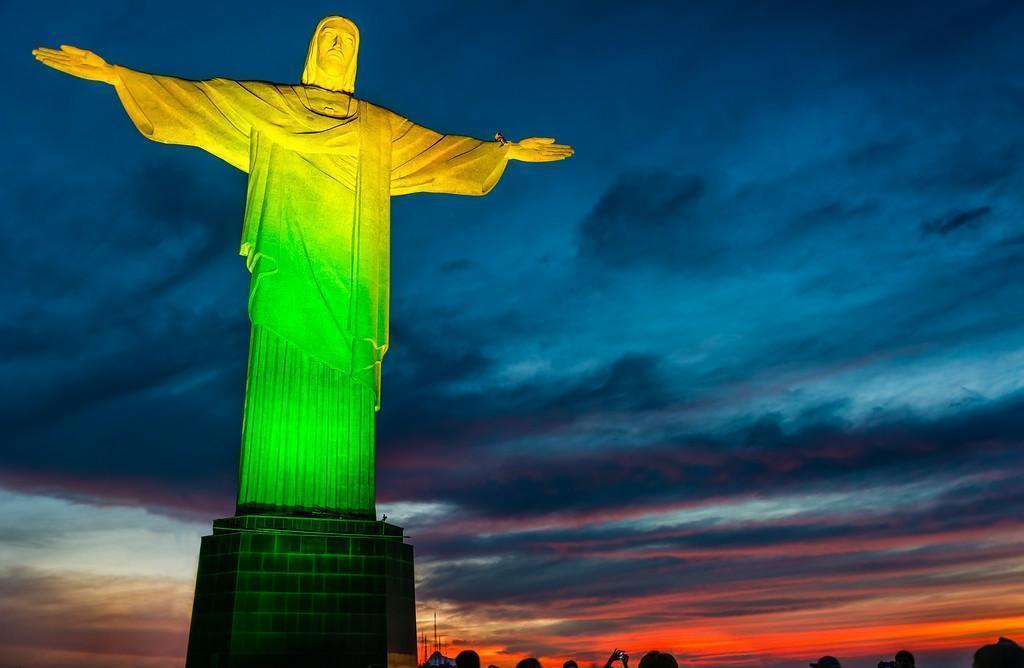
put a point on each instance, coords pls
(331, 61)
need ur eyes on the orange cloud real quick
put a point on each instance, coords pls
(58, 619)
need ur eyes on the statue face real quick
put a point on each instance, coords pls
(335, 49)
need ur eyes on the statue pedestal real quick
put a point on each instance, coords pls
(283, 592)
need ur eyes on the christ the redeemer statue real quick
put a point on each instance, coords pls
(323, 166)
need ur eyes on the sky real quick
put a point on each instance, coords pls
(742, 380)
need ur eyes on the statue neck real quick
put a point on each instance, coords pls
(335, 84)
(326, 102)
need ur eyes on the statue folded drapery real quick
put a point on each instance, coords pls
(316, 239)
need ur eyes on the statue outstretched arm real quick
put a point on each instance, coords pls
(205, 114)
(423, 160)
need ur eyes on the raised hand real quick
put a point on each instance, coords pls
(538, 149)
(617, 655)
(77, 62)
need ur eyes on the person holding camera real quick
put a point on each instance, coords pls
(653, 659)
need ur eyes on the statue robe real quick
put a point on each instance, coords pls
(316, 238)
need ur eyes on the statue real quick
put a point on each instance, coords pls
(322, 168)
(304, 574)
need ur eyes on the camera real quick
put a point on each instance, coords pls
(886, 664)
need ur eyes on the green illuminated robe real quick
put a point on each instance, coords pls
(316, 240)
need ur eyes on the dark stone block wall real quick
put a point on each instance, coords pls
(284, 592)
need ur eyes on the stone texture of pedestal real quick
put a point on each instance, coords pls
(291, 592)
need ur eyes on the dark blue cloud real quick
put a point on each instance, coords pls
(644, 470)
(648, 219)
(955, 220)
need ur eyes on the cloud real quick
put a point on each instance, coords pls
(633, 382)
(648, 218)
(638, 473)
(455, 266)
(954, 220)
(968, 165)
(128, 337)
(65, 619)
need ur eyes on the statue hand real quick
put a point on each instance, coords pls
(77, 62)
(538, 149)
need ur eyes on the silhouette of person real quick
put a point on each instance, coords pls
(827, 662)
(1004, 653)
(656, 659)
(467, 658)
(904, 659)
(529, 663)
(570, 664)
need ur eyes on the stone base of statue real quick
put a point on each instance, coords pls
(286, 592)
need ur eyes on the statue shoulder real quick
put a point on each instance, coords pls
(382, 114)
(251, 93)
(260, 88)
(368, 107)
